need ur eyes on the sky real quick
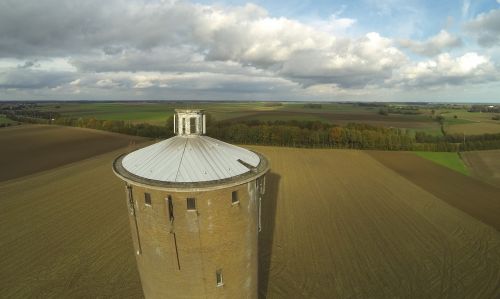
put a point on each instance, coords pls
(296, 50)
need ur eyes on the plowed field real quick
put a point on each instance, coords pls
(484, 165)
(472, 196)
(31, 148)
(336, 224)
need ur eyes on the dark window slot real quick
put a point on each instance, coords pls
(147, 199)
(191, 204)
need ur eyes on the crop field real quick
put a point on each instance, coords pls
(450, 160)
(470, 195)
(28, 149)
(5, 120)
(154, 113)
(347, 226)
(157, 113)
(336, 223)
(457, 120)
(475, 128)
(484, 165)
(65, 234)
(470, 123)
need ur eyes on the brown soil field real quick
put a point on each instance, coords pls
(472, 196)
(336, 224)
(65, 234)
(345, 226)
(484, 165)
(29, 149)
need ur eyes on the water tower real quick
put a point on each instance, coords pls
(194, 210)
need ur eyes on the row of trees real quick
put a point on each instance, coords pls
(484, 108)
(294, 133)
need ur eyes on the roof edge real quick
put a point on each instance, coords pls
(246, 177)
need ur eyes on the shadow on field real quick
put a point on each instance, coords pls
(269, 201)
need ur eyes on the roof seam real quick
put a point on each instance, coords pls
(182, 157)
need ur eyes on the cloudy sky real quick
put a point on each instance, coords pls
(393, 50)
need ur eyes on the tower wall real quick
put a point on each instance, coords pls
(180, 258)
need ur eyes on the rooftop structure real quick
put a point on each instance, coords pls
(190, 158)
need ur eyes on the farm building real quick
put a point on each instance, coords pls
(194, 210)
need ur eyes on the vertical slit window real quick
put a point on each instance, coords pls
(147, 199)
(234, 197)
(218, 278)
(191, 204)
(260, 213)
(170, 205)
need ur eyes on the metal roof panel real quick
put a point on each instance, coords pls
(195, 158)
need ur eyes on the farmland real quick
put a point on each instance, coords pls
(336, 223)
(4, 121)
(31, 148)
(157, 113)
(484, 165)
(450, 160)
(457, 119)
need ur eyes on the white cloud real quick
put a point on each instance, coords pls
(446, 70)
(116, 49)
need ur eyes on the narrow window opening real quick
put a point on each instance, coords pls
(234, 198)
(192, 125)
(130, 199)
(260, 213)
(170, 208)
(183, 126)
(218, 277)
(147, 199)
(191, 204)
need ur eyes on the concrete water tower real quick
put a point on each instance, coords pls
(194, 210)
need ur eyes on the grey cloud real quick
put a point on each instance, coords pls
(149, 47)
(28, 64)
(53, 28)
(434, 45)
(185, 37)
(486, 28)
(31, 79)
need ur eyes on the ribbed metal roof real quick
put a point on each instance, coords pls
(194, 158)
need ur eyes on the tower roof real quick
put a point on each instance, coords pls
(190, 159)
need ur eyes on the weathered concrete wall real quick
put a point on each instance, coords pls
(218, 235)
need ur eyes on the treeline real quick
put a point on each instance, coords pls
(353, 136)
(312, 134)
(312, 106)
(294, 133)
(409, 110)
(31, 115)
(484, 108)
(120, 126)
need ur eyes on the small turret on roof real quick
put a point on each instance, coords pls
(189, 122)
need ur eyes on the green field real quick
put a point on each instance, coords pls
(158, 112)
(150, 112)
(456, 118)
(469, 123)
(5, 121)
(449, 160)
